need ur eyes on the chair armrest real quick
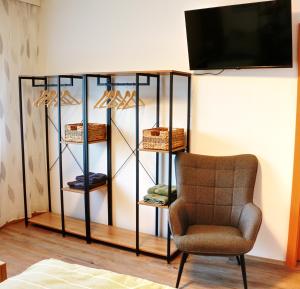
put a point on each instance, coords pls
(178, 218)
(250, 221)
(3, 272)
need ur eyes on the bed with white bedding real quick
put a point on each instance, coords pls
(55, 274)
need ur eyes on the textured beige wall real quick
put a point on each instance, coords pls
(33, 2)
(19, 53)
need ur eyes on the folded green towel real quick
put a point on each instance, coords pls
(162, 190)
(152, 189)
(156, 199)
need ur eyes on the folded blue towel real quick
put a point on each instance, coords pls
(80, 185)
(94, 178)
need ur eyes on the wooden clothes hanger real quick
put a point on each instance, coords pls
(104, 99)
(68, 98)
(50, 97)
(131, 101)
(124, 100)
(46, 97)
(40, 99)
(115, 99)
(109, 99)
(104, 96)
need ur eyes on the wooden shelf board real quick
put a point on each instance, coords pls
(104, 233)
(81, 143)
(162, 151)
(120, 73)
(143, 203)
(100, 188)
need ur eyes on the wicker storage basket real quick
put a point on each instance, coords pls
(74, 132)
(158, 138)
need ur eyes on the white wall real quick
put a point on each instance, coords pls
(250, 111)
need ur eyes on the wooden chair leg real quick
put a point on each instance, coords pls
(3, 272)
(243, 267)
(182, 262)
(238, 260)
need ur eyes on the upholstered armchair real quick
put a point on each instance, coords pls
(214, 213)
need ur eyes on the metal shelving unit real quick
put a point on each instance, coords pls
(170, 152)
(109, 234)
(59, 79)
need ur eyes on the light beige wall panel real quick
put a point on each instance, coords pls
(19, 54)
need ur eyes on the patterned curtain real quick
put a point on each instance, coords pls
(19, 55)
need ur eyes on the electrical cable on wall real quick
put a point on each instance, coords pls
(210, 73)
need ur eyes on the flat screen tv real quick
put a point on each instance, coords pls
(256, 35)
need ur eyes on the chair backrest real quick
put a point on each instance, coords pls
(215, 189)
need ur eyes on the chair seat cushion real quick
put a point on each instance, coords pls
(213, 240)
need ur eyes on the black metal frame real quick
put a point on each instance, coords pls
(157, 154)
(60, 160)
(47, 148)
(108, 143)
(109, 84)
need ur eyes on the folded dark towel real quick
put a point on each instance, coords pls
(80, 185)
(94, 178)
(81, 177)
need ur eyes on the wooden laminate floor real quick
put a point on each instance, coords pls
(20, 247)
(108, 234)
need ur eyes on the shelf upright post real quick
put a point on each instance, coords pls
(137, 177)
(170, 155)
(86, 158)
(23, 151)
(47, 149)
(60, 159)
(188, 115)
(109, 160)
(157, 154)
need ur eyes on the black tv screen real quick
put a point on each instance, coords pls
(256, 35)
